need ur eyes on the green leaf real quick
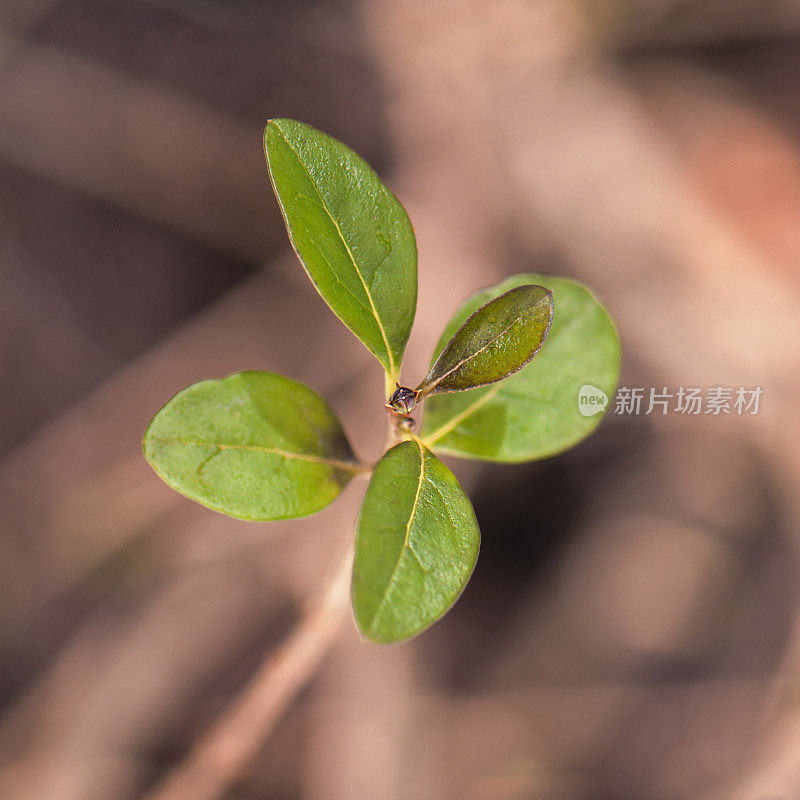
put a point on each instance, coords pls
(254, 445)
(416, 545)
(500, 338)
(534, 413)
(350, 232)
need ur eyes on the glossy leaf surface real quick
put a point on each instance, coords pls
(254, 445)
(416, 545)
(497, 340)
(350, 232)
(534, 413)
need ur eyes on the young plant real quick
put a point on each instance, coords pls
(260, 446)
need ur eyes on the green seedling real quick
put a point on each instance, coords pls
(503, 386)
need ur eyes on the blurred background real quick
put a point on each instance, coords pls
(631, 631)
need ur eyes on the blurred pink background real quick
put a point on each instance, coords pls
(631, 630)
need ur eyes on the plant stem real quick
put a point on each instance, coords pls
(389, 384)
(220, 757)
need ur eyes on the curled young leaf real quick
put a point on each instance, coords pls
(350, 232)
(416, 545)
(254, 445)
(500, 338)
(537, 412)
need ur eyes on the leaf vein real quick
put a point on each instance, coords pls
(349, 466)
(405, 546)
(392, 366)
(461, 416)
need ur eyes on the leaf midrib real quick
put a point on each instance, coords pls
(406, 543)
(350, 466)
(461, 416)
(392, 366)
(483, 347)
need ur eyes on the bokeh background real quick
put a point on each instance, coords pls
(631, 631)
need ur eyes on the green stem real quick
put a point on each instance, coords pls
(391, 380)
